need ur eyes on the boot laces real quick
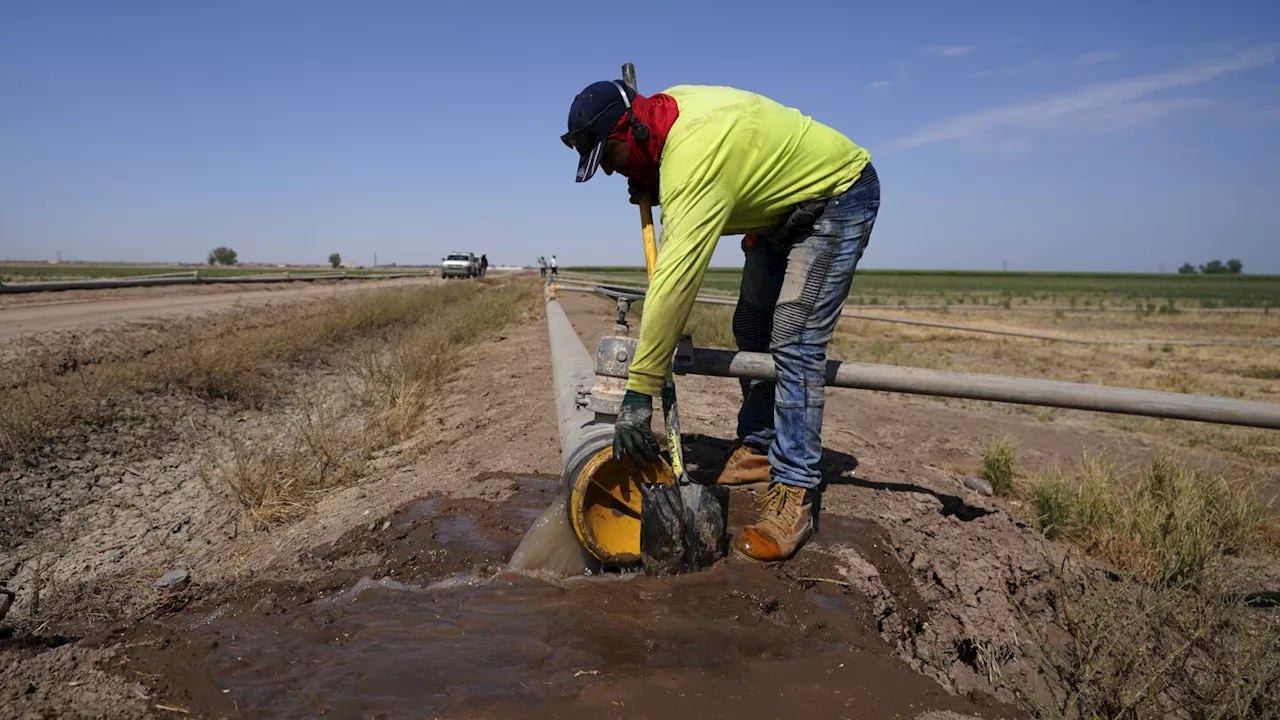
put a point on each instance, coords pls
(782, 502)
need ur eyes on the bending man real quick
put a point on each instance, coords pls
(721, 161)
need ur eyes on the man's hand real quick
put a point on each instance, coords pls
(633, 433)
(638, 191)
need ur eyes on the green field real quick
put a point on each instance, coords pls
(42, 272)
(1011, 289)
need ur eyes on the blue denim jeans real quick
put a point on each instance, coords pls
(790, 301)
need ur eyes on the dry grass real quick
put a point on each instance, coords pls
(401, 380)
(1168, 524)
(1116, 649)
(241, 366)
(240, 356)
(1224, 371)
(1172, 634)
(277, 477)
(397, 343)
(711, 326)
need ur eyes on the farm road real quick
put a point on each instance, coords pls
(97, 308)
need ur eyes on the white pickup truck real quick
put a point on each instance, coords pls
(460, 265)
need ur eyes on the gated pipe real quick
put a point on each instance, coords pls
(996, 388)
(603, 495)
(582, 434)
(103, 284)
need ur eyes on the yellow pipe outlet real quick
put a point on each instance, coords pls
(604, 506)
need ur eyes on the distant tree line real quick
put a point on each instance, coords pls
(227, 256)
(1214, 267)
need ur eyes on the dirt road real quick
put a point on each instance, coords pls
(57, 312)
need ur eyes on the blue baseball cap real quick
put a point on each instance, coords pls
(594, 112)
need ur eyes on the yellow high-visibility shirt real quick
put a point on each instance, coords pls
(734, 162)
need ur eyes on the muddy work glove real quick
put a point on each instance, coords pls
(633, 433)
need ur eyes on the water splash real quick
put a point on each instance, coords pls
(551, 545)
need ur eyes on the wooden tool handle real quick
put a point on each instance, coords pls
(650, 241)
(646, 208)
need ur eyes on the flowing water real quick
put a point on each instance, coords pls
(458, 634)
(551, 545)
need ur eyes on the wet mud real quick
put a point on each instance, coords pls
(418, 615)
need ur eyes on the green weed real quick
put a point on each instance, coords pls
(998, 466)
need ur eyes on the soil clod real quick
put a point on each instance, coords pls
(174, 580)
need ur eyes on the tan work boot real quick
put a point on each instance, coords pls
(786, 521)
(746, 465)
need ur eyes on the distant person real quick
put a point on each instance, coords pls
(542, 265)
(805, 197)
(484, 264)
(554, 269)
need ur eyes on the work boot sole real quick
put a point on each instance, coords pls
(753, 485)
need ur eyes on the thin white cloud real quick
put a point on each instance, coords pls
(1101, 106)
(879, 84)
(1036, 65)
(1123, 115)
(1097, 57)
(949, 51)
(1044, 65)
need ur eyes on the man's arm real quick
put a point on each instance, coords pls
(693, 217)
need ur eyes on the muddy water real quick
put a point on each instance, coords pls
(551, 546)
(458, 635)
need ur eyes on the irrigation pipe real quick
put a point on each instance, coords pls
(1223, 342)
(189, 279)
(582, 432)
(997, 388)
(1016, 308)
(150, 276)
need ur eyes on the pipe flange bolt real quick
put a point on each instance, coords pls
(613, 356)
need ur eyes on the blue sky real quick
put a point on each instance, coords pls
(1066, 136)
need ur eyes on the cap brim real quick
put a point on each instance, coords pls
(589, 161)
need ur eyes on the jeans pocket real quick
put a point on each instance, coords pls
(815, 393)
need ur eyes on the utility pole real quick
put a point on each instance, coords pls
(1005, 266)
(375, 259)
